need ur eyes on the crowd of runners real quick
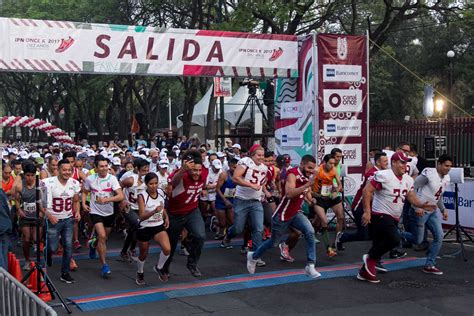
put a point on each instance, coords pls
(166, 196)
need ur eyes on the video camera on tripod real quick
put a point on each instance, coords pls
(251, 85)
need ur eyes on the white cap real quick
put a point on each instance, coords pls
(23, 155)
(220, 154)
(164, 163)
(175, 147)
(142, 156)
(90, 153)
(236, 146)
(55, 144)
(164, 150)
(104, 153)
(47, 155)
(14, 150)
(135, 154)
(35, 155)
(162, 155)
(116, 161)
(216, 163)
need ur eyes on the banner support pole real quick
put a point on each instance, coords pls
(315, 102)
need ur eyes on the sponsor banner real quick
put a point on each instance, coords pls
(340, 128)
(290, 137)
(352, 183)
(465, 204)
(352, 153)
(342, 73)
(342, 100)
(222, 87)
(59, 46)
(291, 110)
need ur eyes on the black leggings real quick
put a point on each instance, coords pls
(383, 229)
(133, 222)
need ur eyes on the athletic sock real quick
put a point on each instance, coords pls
(140, 265)
(162, 260)
(325, 236)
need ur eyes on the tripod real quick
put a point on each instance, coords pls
(252, 100)
(40, 272)
(458, 228)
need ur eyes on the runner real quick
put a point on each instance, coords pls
(187, 183)
(250, 177)
(62, 210)
(153, 224)
(327, 196)
(51, 169)
(25, 198)
(430, 186)
(163, 175)
(224, 200)
(387, 191)
(132, 184)
(105, 190)
(288, 213)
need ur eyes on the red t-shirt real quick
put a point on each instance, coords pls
(185, 196)
(288, 208)
(358, 197)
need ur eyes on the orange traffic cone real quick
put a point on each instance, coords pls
(17, 270)
(45, 295)
(33, 281)
(9, 262)
(73, 265)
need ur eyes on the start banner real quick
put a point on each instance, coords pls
(73, 47)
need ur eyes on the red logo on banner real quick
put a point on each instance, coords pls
(276, 54)
(65, 44)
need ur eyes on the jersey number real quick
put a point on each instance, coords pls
(131, 198)
(396, 192)
(193, 196)
(438, 194)
(255, 180)
(60, 205)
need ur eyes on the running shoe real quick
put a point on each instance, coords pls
(106, 271)
(432, 270)
(218, 236)
(124, 257)
(380, 267)
(395, 254)
(132, 254)
(66, 278)
(226, 243)
(140, 279)
(76, 245)
(194, 270)
(369, 265)
(251, 262)
(267, 234)
(311, 271)
(331, 252)
(92, 252)
(261, 263)
(338, 243)
(244, 250)
(285, 253)
(162, 275)
(183, 251)
(213, 224)
(363, 275)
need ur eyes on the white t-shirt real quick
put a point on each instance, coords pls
(212, 178)
(254, 174)
(101, 188)
(131, 193)
(412, 170)
(391, 192)
(150, 206)
(59, 198)
(162, 180)
(435, 186)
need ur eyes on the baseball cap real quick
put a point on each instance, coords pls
(116, 161)
(400, 155)
(236, 146)
(216, 163)
(39, 160)
(35, 155)
(164, 163)
(220, 154)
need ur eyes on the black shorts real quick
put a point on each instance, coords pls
(108, 221)
(327, 203)
(145, 234)
(27, 222)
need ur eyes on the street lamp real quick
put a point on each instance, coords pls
(450, 54)
(439, 105)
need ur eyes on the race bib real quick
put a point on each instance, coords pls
(326, 190)
(29, 209)
(229, 193)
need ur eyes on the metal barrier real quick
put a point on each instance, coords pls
(17, 300)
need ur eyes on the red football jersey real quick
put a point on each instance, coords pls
(288, 208)
(358, 197)
(185, 196)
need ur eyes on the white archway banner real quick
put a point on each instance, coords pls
(34, 123)
(74, 47)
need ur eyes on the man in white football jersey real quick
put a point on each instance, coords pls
(105, 190)
(62, 209)
(250, 177)
(430, 186)
(383, 199)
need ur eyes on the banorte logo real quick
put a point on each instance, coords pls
(64, 45)
(276, 54)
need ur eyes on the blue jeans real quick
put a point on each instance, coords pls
(432, 221)
(242, 210)
(362, 232)
(4, 251)
(63, 228)
(279, 228)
